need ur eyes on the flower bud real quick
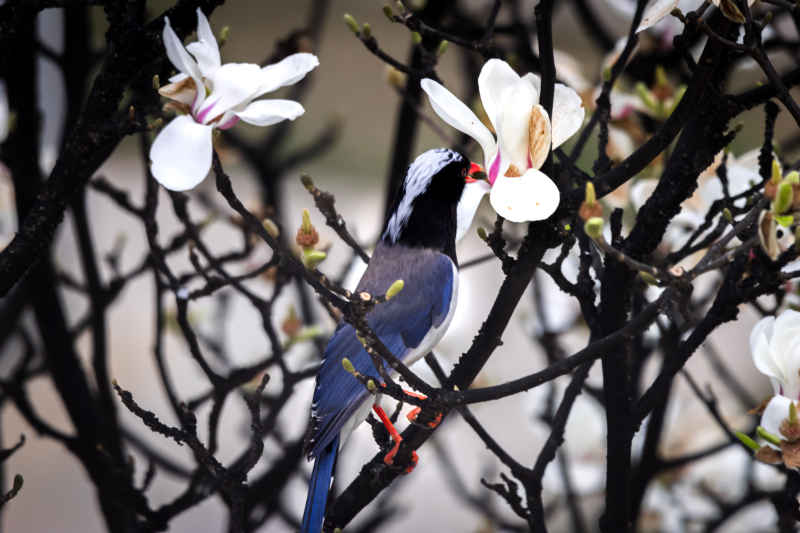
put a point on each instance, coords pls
(366, 30)
(352, 23)
(371, 386)
(416, 38)
(224, 33)
(727, 215)
(482, 233)
(307, 182)
(307, 236)
(387, 10)
(783, 198)
(271, 228)
(312, 258)
(767, 436)
(442, 48)
(646, 96)
(594, 227)
(777, 172)
(156, 82)
(395, 288)
(348, 366)
(648, 278)
(747, 441)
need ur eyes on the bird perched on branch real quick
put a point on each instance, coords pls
(418, 247)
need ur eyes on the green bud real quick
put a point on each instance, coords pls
(306, 225)
(792, 413)
(648, 278)
(606, 73)
(366, 30)
(312, 258)
(348, 366)
(784, 220)
(352, 23)
(482, 233)
(416, 38)
(727, 215)
(395, 288)
(783, 198)
(777, 173)
(590, 197)
(676, 99)
(271, 228)
(747, 441)
(224, 33)
(371, 386)
(362, 340)
(307, 182)
(661, 76)
(767, 436)
(156, 82)
(387, 10)
(594, 227)
(646, 96)
(442, 48)
(792, 177)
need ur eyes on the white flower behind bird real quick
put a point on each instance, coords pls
(180, 156)
(520, 192)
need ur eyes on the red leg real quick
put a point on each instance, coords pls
(389, 459)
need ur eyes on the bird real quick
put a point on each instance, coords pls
(417, 246)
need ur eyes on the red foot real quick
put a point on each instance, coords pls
(389, 459)
(412, 417)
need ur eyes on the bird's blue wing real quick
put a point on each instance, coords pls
(401, 324)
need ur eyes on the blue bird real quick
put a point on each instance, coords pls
(417, 246)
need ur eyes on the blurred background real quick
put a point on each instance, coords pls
(350, 89)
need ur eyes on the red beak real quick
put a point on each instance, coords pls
(474, 169)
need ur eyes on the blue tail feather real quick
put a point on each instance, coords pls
(318, 488)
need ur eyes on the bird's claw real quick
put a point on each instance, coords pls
(414, 413)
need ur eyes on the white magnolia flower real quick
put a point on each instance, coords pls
(181, 153)
(775, 344)
(525, 136)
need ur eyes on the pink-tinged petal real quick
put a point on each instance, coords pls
(458, 115)
(532, 196)
(494, 168)
(288, 71)
(496, 76)
(205, 50)
(268, 112)
(233, 84)
(517, 102)
(655, 11)
(180, 156)
(468, 205)
(774, 413)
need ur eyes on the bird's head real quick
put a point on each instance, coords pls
(424, 211)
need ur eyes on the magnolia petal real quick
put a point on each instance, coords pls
(288, 71)
(454, 112)
(655, 11)
(495, 77)
(180, 156)
(178, 55)
(268, 112)
(518, 102)
(532, 196)
(205, 50)
(568, 111)
(774, 413)
(539, 136)
(468, 205)
(784, 348)
(234, 84)
(760, 349)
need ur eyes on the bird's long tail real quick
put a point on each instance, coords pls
(318, 488)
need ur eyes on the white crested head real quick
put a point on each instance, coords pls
(418, 178)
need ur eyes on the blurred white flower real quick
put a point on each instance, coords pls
(215, 96)
(775, 345)
(525, 136)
